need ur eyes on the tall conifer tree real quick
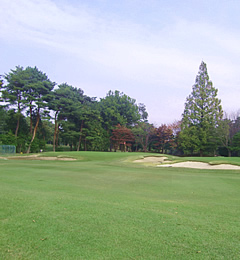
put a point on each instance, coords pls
(201, 115)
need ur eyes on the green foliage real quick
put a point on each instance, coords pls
(3, 116)
(117, 108)
(13, 92)
(236, 143)
(143, 112)
(76, 116)
(189, 140)
(223, 132)
(22, 141)
(1, 82)
(8, 123)
(80, 122)
(27, 89)
(202, 114)
(37, 90)
(142, 132)
(46, 130)
(30, 104)
(11, 119)
(37, 145)
(94, 135)
(8, 139)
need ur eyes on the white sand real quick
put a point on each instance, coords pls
(155, 159)
(201, 165)
(37, 157)
(188, 164)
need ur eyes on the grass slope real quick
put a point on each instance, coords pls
(102, 206)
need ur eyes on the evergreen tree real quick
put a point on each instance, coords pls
(3, 124)
(62, 102)
(13, 92)
(202, 113)
(235, 147)
(36, 93)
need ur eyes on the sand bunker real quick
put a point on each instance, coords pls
(55, 159)
(188, 164)
(38, 157)
(201, 165)
(152, 159)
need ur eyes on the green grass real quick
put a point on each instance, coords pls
(102, 206)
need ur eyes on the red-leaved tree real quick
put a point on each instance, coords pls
(163, 138)
(122, 138)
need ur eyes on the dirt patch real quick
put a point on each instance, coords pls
(201, 165)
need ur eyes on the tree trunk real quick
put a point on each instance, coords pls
(30, 118)
(80, 137)
(34, 132)
(55, 132)
(229, 153)
(110, 147)
(57, 136)
(18, 122)
(145, 145)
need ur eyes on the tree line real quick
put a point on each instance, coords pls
(35, 113)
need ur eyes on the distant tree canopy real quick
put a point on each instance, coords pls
(35, 114)
(74, 119)
(117, 108)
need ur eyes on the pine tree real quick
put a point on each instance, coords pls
(202, 114)
(13, 92)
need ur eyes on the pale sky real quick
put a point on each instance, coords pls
(150, 50)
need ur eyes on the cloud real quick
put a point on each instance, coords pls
(161, 56)
(35, 20)
(120, 44)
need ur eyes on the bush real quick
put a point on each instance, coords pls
(8, 139)
(37, 145)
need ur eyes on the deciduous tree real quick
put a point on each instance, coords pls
(118, 108)
(142, 132)
(122, 135)
(164, 138)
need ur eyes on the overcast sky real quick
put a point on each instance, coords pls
(149, 49)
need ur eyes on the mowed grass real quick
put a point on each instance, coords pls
(103, 206)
